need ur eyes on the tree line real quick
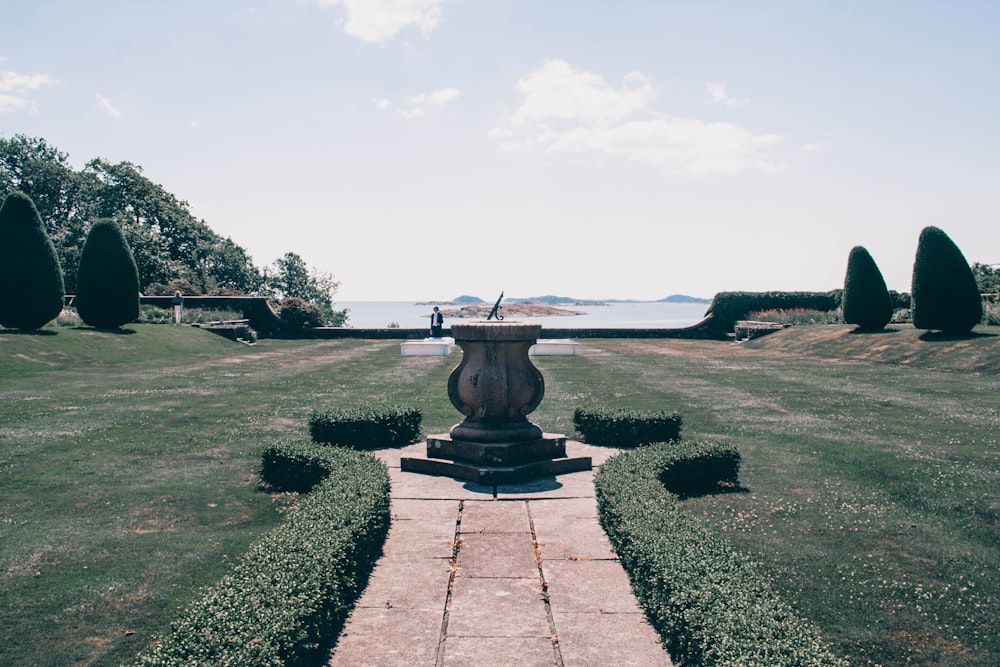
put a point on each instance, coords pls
(173, 250)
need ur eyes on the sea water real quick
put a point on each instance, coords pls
(617, 315)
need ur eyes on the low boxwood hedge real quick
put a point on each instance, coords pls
(620, 427)
(366, 427)
(709, 605)
(286, 600)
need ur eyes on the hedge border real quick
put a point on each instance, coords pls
(286, 600)
(620, 427)
(367, 427)
(706, 601)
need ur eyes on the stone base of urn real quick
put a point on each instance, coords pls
(490, 464)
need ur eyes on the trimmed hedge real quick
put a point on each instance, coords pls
(107, 281)
(866, 299)
(366, 427)
(296, 466)
(728, 307)
(945, 292)
(30, 275)
(618, 427)
(287, 599)
(709, 605)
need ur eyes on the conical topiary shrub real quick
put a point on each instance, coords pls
(107, 294)
(30, 275)
(866, 298)
(945, 295)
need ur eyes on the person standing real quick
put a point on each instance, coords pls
(437, 322)
(178, 306)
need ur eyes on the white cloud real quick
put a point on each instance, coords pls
(569, 111)
(418, 105)
(104, 103)
(12, 82)
(379, 21)
(438, 98)
(817, 146)
(15, 87)
(721, 98)
(557, 92)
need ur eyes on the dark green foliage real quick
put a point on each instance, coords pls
(285, 601)
(368, 427)
(30, 275)
(944, 290)
(866, 299)
(617, 427)
(295, 466)
(107, 280)
(728, 307)
(297, 314)
(706, 601)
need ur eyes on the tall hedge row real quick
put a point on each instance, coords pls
(866, 300)
(728, 307)
(107, 281)
(30, 275)
(286, 600)
(707, 602)
(945, 295)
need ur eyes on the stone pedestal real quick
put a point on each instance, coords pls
(496, 386)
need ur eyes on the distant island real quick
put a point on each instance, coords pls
(482, 310)
(551, 300)
(536, 306)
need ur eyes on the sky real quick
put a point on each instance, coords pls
(426, 149)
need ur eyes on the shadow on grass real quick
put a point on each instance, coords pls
(117, 332)
(722, 489)
(873, 332)
(945, 337)
(29, 332)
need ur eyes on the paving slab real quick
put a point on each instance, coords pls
(589, 586)
(495, 516)
(504, 555)
(500, 652)
(488, 600)
(388, 638)
(412, 584)
(635, 644)
(497, 608)
(569, 529)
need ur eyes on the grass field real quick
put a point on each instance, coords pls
(871, 471)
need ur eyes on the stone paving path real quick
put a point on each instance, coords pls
(527, 578)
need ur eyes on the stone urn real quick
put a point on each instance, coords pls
(495, 386)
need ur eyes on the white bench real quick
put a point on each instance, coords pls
(555, 347)
(428, 347)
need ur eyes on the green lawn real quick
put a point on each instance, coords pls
(871, 489)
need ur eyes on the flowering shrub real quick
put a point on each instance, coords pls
(285, 601)
(366, 427)
(616, 427)
(797, 316)
(705, 600)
